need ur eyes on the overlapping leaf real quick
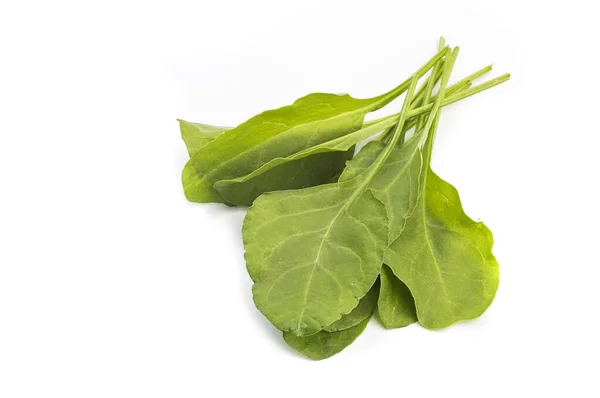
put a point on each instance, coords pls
(315, 252)
(295, 170)
(311, 120)
(197, 135)
(278, 171)
(340, 334)
(322, 345)
(396, 306)
(363, 310)
(444, 258)
(316, 255)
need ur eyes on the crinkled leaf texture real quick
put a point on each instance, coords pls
(444, 257)
(311, 120)
(396, 306)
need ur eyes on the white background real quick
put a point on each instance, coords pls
(112, 285)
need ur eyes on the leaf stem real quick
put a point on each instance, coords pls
(436, 106)
(388, 97)
(457, 96)
(474, 90)
(413, 121)
(430, 84)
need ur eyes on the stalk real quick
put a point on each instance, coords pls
(388, 97)
(430, 84)
(413, 121)
(449, 100)
(435, 109)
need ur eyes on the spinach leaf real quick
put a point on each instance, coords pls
(420, 247)
(337, 336)
(197, 135)
(314, 252)
(309, 170)
(296, 174)
(323, 344)
(363, 310)
(396, 184)
(277, 174)
(451, 264)
(311, 120)
(382, 232)
(396, 306)
(243, 190)
(443, 256)
(318, 250)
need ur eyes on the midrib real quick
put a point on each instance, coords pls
(426, 232)
(376, 166)
(222, 165)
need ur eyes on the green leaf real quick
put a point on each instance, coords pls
(444, 258)
(313, 253)
(317, 169)
(311, 120)
(337, 336)
(396, 184)
(197, 135)
(243, 190)
(323, 344)
(362, 311)
(277, 174)
(396, 306)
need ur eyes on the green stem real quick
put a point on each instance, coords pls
(436, 106)
(474, 90)
(388, 97)
(413, 121)
(417, 101)
(430, 84)
(477, 74)
(449, 100)
(419, 96)
(403, 117)
(452, 89)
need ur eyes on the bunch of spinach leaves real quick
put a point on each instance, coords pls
(331, 237)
